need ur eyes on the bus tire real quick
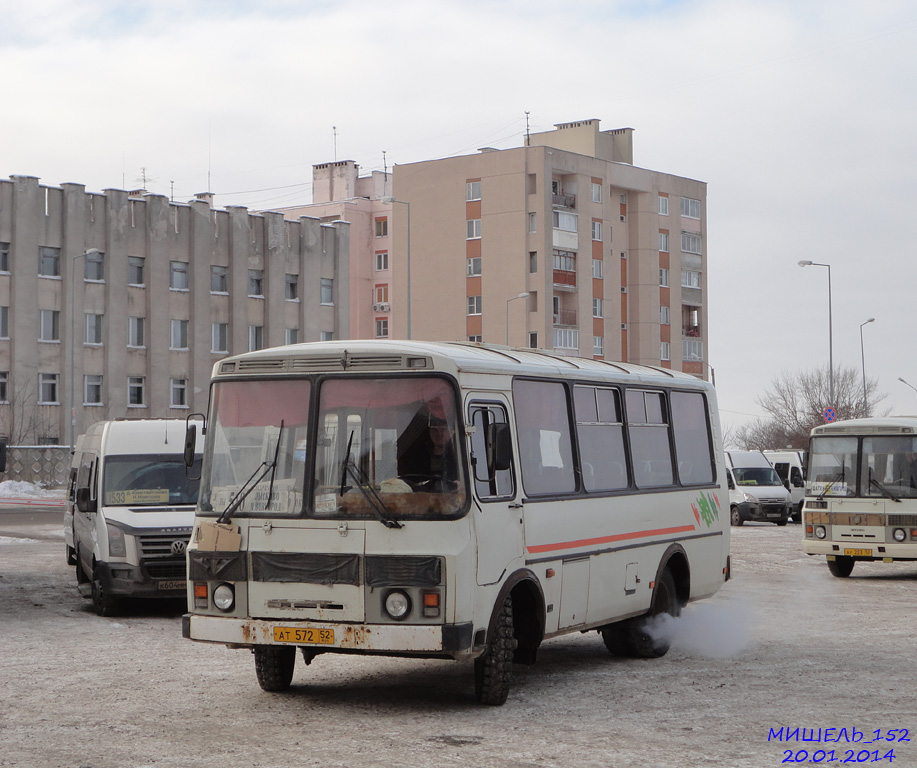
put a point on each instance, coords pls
(493, 670)
(841, 566)
(632, 637)
(274, 666)
(103, 603)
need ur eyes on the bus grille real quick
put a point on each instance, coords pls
(905, 521)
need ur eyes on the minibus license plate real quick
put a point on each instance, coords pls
(858, 552)
(308, 635)
(172, 585)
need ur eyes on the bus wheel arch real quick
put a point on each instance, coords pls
(675, 560)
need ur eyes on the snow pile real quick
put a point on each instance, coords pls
(17, 489)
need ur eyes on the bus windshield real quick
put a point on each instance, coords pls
(832, 467)
(889, 467)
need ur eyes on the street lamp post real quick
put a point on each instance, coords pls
(523, 295)
(73, 332)
(392, 201)
(863, 362)
(906, 384)
(807, 263)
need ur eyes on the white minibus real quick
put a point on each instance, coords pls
(450, 500)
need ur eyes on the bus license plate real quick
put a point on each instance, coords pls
(309, 635)
(858, 552)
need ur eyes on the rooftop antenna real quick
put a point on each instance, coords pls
(526, 127)
(172, 192)
(334, 135)
(384, 165)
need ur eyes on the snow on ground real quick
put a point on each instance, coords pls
(17, 489)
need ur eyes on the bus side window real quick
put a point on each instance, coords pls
(490, 482)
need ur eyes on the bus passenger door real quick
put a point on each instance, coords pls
(497, 514)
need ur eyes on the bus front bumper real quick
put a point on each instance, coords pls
(859, 550)
(449, 640)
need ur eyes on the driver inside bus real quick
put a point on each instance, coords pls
(428, 462)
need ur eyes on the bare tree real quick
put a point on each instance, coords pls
(22, 419)
(796, 402)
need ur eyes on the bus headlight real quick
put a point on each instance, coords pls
(820, 532)
(224, 597)
(117, 547)
(397, 605)
(899, 534)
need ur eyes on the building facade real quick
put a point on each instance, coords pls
(560, 244)
(118, 304)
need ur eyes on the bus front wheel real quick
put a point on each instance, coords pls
(493, 670)
(274, 666)
(641, 637)
(841, 566)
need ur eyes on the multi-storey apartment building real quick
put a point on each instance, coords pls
(118, 304)
(561, 244)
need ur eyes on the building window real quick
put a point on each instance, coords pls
(92, 389)
(533, 223)
(381, 260)
(93, 329)
(179, 389)
(664, 353)
(691, 243)
(692, 351)
(179, 335)
(473, 190)
(135, 266)
(664, 242)
(566, 222)
(664, 278)
(474, 305)
(4, 386)
(292, 336)
(380, 294)
(565, 261)
(533, 261)
(48, 261)
(48, 325)
(566, 338)
(382, 227)
(598, 346)
(4, 322)
(596, 193)
(597, 231)
(136, 391)
(94, 267)
(219, 279)
(533, 340)
(597, 269)
(255, 337)
(663, 205)
(47, 388)
(255, 283)
(327, 290)
(473, 266)
(690, 208)
(4, 257)
(382, 328)
(291, 287)
(690, 278)
(135, 331)
(219, 337)
(178, 275)
(664, 315)
(472, 229)
(326, 336)
(597, 308)
(477, 339)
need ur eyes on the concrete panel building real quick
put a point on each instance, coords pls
(118, 304)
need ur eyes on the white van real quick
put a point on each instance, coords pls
(790, 465)
(130, 510)
(756, 476)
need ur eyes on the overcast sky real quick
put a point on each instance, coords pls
(799, 115)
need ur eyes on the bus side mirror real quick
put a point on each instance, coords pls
(2, 455)
(499, 448)
(190, 444)
(83, 503)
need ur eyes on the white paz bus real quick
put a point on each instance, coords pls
(450, 500)
(861, 492)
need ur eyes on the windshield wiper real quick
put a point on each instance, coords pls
(839, 476)
(365, 487)
(248, 486)
(885, 491)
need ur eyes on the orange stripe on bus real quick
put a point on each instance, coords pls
(608, 539)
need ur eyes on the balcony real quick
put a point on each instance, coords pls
(565, 317)
(563, 200)
(564, 278)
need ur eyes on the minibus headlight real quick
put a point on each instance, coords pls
(749, 498)
(397, 605)
(899, 534)
(224, 597)
(820, 532)
(117, 547)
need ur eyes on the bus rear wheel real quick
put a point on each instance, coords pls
(841, 566)
(637, 637)
(274, 666)
(493, 670)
